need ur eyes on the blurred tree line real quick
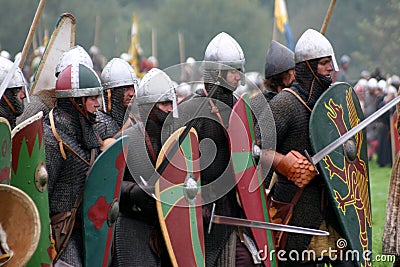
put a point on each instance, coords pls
(367, 31)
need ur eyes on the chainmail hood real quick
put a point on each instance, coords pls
(223, 91)
(115, 107)
(79, 126)
(310, 84)
(5, 109)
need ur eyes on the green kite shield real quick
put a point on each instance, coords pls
(5, 157)
(100, 203)
(179, 201)
(30, 175)
(61, 40)
(345, 169)
(249, 179)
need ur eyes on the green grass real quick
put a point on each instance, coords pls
(379, 184)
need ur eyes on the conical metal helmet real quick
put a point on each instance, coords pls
(118, 73)
(74, 54)
(18, 80)
(279, 59)
(156, 86)
(78, 80)
(312, 45)
(225, 51)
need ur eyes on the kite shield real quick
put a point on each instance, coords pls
(250, 184)
(61, 40)
(100, 203)
(179, 201)
(345, 170)
(30, 175)
(5, 157)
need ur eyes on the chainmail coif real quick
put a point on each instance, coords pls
(117, 105)
(5, 110)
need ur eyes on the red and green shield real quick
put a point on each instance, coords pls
(249, 179)
(29, 174)
(100, 203)
(179, 201)
(5, 157)
(345, 169)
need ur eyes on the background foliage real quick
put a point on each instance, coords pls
(368, 31)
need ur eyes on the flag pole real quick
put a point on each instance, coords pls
(154, 42)
(181, 47)
(96, 31)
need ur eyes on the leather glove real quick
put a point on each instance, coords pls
(296, 168)
(140, 194)
(134, 198)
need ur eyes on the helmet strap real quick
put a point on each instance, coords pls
(312, 83)
(77, 107)
(9, 103)
(313, 73)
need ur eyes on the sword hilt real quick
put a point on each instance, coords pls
(211, 218)
(311, 161)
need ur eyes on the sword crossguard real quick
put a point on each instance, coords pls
(311, 161)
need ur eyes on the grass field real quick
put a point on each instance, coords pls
(379, 183)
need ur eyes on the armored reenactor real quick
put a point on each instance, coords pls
(11, 102)
(279, 74)
(71, 148)
(138, 238)
(120, 83)
(315, 60)
(223, 66)
(44, 99)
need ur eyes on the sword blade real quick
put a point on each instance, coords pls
(266, 225)
(342, 139)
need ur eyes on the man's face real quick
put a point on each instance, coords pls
(289, 78)
(129, 93)
(325, 66)
(21, 93)
(233, 78)
(92, 104)
(165, 106)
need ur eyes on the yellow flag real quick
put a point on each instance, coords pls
(281, 15)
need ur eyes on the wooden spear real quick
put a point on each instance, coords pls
(327, 17)
(31, 32)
